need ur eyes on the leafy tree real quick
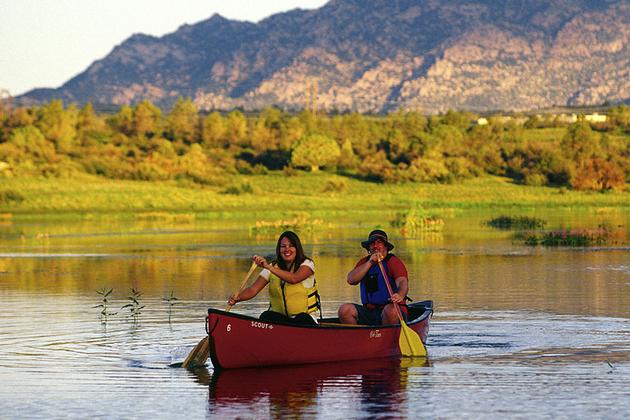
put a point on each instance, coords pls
(123, 121)
(213, 130)
(27, 150)
(260, 135)
(315, 150)
(347, 158)
(581, 142)
(236, 128)
(196, 166)
(147, 119)
(20, 117)
(414, 123)
(598, 175)
(88, 120)
(376, 167)
(427, 170)
(291, 132)
(449, 140)
(59, 125)
(183, 121)
(460, 120)
(4, 108)
(538, 163)
(265, 131)
(362, 133)
(619, 116)
(396, 145)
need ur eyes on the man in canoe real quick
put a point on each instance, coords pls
(377, 304)
(293, 295)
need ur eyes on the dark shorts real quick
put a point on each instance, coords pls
(299, 319)
(374, 316)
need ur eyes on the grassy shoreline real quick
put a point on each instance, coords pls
(277, 194)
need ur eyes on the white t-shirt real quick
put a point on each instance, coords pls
(307, 282)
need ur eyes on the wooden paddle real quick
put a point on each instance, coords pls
(199, 355)
(409, 341)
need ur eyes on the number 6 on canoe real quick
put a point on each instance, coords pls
(199, 355)
(409, 341)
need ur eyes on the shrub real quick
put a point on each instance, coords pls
(289, 171)
(377, 168)
(598, 175)
(427, 170)
(11, 196)
(245, 188)
(335, 185)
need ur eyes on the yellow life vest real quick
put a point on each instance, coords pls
(292, 299)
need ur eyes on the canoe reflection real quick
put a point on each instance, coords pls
(378, 384)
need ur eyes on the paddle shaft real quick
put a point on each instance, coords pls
(389, 289)
(249, 273)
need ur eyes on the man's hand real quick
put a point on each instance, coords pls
(396, 298)
(375, 258)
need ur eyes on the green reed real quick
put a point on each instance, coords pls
(172, 301)
(134, 307)
(104, 293)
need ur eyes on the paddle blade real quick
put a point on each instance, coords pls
(410, 343)
(198, 356)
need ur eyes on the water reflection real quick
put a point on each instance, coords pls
(511, 323)
(377, 386)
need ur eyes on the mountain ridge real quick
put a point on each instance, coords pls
(377, 56)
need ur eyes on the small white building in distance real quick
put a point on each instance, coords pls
(596, 118)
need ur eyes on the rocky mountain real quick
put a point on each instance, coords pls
(376, 56)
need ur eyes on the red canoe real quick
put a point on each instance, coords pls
(237, 341)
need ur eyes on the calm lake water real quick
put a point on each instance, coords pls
(518, 331)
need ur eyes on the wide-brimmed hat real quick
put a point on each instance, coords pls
(374, 235)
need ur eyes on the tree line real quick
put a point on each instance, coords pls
(142, 142)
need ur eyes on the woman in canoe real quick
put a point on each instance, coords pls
(293, 295)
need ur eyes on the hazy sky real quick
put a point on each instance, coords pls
(44, 43)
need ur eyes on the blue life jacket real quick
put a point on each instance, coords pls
(373, 287)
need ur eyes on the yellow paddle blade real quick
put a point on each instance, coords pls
(198, 356)
(410, 343)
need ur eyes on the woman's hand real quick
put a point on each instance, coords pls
(232, 300)
(261, 261)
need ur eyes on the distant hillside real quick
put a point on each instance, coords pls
(376, 56)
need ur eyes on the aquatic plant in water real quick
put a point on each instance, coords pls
(572, 238)
(172, 301)
(416, 221)
(300, 223)
(104, 293)
(134, 307)
(516, 222)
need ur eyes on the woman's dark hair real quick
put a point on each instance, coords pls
(299, 251)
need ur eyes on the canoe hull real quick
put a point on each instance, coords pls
(241, 341)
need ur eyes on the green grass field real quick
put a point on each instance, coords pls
(276, 194)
